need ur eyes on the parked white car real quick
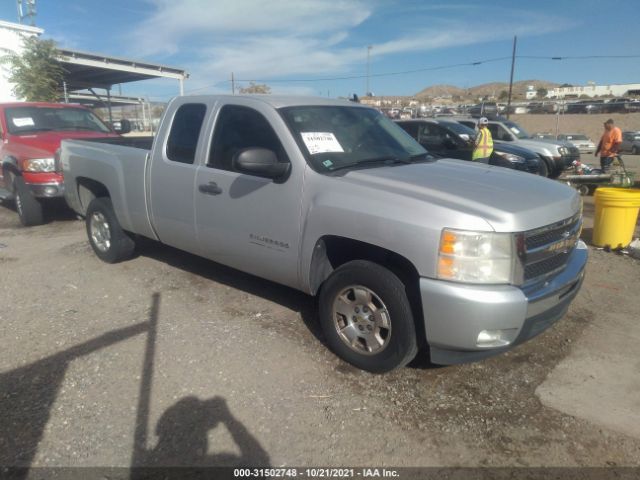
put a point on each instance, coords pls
(584, 143)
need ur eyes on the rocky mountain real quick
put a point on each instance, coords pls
(485, 90)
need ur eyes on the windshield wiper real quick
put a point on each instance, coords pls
(386, 160)
(34, 129)
(78, 127)
(422, 156)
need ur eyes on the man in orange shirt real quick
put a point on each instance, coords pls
(609, 144)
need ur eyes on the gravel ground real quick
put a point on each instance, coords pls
(169, 359)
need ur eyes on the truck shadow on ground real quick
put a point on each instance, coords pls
(28, 393)
(289, 298)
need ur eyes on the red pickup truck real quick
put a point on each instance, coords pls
(31, 135)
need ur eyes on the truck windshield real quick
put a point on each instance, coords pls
(341, 137)
(27, 120)
(517, 130)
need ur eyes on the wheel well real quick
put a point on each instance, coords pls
(89, 189)
(331, 251)
(9, 167)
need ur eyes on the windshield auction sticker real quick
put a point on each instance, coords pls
(23, 122)
(321, 142)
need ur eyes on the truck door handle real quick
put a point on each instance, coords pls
(210, 188)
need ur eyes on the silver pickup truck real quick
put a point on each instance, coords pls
(329, 197)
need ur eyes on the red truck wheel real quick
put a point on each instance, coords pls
(29, 208)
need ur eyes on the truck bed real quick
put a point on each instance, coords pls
(143, 143)
(117, 163)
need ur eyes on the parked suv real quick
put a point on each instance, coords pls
(31, 134)
(447, 138)
(556, 154)
(630, 143)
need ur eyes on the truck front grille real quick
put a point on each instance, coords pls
(547, 249)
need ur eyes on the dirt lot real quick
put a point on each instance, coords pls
(169, 359)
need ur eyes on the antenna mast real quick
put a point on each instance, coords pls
(27, 9)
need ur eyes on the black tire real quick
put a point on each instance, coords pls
(29, 208)
(543, 171)
(554, 172)
(634, 150)
(109, 242)
(399, 340)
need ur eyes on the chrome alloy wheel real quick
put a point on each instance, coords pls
(100, 232)
(362, 320)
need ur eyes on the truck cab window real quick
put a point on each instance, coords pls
(238, 128)
(185, 131)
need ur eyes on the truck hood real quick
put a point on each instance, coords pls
(538, 147)
(559, 143)
(45, 144)
(508, 200)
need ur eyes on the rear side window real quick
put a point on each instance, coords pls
(185, 131)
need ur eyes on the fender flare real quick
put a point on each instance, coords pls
(10, 165)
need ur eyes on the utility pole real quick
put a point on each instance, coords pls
(27, 9)
(513, 64)
(367, 90)
(233, 84)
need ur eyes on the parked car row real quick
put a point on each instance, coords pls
(450, 139)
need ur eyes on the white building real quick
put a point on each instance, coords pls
(615, 90)
(11, 35)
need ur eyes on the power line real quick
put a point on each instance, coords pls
(387, 74)
(577, 57)
(408, 72)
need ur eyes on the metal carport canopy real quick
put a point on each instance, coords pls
(85, 70)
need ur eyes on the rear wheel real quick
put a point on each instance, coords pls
(634, 150)
(29, 208)
(366, 317)
(109, 242)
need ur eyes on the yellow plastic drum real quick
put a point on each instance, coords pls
(616, 216)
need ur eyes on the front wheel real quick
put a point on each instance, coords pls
(543, 169)
(109, 242)
(29, 208)
(366, 317)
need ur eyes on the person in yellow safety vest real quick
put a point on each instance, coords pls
(484, 142)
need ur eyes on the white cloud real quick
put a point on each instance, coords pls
(174, 22)
(267, 39)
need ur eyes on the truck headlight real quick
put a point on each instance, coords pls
(563, 150)
(510, 157)
(475, 257)
(39, 165)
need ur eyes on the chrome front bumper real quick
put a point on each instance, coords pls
(46, 190)
(456, 314)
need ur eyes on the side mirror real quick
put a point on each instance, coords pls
(260, 162)
(122, 126)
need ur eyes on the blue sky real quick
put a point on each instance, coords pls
(276, 41)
